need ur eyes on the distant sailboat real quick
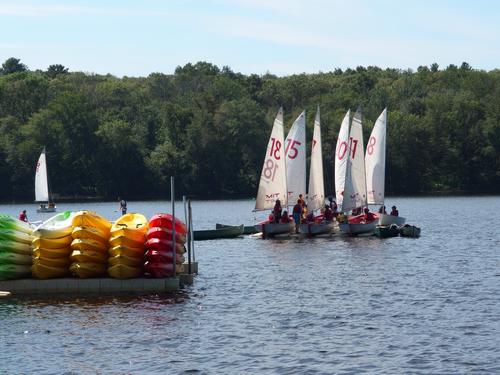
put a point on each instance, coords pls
(42, 192)
(316, 192)
(272, 185)
(375, 169)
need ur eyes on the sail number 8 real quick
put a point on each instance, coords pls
(269, 170)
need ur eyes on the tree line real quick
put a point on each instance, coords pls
(208, 126)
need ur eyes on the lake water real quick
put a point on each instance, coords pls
(335, 305)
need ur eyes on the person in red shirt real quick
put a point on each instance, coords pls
(394, 211)
(284, 218)
(369, 217)
(23, 216)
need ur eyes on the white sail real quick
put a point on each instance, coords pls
(295, 148)
(316, 193)
(375, 161)
(355, 184)
(41, 183)
(341, 158)
(272, 183)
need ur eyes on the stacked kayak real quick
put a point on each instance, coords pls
(89, 248)
(51, 246)
(15, 248)
(126, 252)
(160, 246)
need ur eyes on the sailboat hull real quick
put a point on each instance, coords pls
(46, 209)
(274, 229)
(355, 229)
(314, 229)
(386, 220)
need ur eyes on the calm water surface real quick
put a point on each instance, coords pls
(336, 305)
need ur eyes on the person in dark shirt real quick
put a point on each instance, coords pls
(328, 214)
(394, 211)
(277, 211)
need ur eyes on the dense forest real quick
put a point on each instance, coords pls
(209, 126)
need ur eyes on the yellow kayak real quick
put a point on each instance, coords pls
(86, 244)
(91, 233)
(53, 262)
(57, 226)
(52, 253)
(121, 271)
(126, 241)
(87, 270)
(41, 271)
(52, 243)
(93, 220)
(133, 226)
(88, 256)
(132, 252)
(126, 260)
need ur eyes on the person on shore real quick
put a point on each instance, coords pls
(123, 205)
(23, 216)
(277, 211)
(394, 211)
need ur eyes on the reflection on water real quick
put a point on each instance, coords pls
(326, 305)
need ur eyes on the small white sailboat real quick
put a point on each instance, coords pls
(354, 193)
(375, 169)
(316, 192)
(272, 185)
(42, 192)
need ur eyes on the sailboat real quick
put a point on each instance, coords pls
(42, 193)
(316, 192)
(375, 169)
(295, 151)
(354, 192)
(272, 184)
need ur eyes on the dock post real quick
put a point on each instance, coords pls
(172, 198)
(188, 234)
(190, 210)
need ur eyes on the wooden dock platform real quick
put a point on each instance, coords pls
(100, 286)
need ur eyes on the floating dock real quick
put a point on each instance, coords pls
(99, 286)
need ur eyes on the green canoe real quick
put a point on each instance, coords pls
(385, 231)
(247, 229)
(212, 234)
(409, 231)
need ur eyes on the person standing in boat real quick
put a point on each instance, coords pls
(23, 216)
(123, 205)
(333, 207)
(394, 211)
(296, 213)
(277, 211)
(301, 200)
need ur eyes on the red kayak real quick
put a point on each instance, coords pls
(166, 221)
(155, 256)
(159, 269)
(159, 244)
(165, 234)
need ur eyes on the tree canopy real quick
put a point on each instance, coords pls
(208, 126)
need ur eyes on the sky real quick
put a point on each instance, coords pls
(137, 38)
